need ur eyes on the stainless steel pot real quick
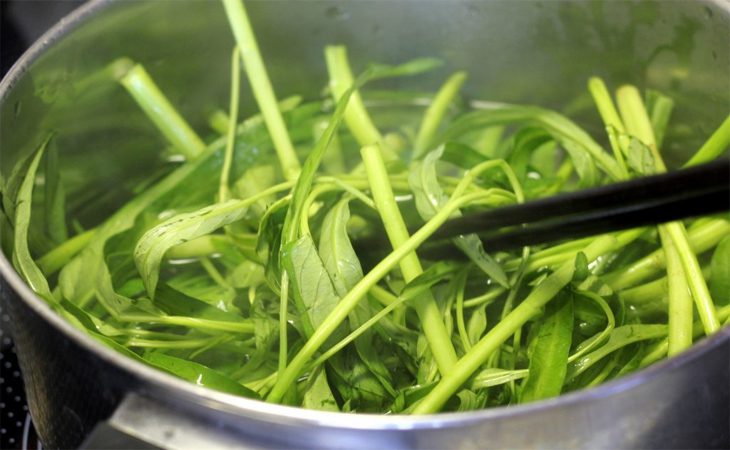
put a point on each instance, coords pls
(529, 51)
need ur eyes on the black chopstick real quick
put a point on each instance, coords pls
(695, 191)
(687, 184)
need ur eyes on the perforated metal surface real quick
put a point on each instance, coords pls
(16, 426)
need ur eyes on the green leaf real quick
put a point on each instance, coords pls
(153, 245)
(583, 163)
(581, 267)
(549, 351)
(336, 250)
(11, 187)
(313, 290)
(268, 242)
(640, 158)
(198, 374)
(344, 269)
(720, 273)
(476, 325)
(22, 260)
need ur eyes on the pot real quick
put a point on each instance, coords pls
(538, 52)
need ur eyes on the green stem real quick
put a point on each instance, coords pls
(192, 322)
(715, 145)
(610, 118)
(428, 312)
(660, 113)
(223, 190)
(159, 109)
(283, 322)
(695, 280)
(531, 306)
(261, 87)
(435, 113)
(356, 116)
(638, 123)
(701, 239)
(59, 256)
(680, 300)
(460, 325)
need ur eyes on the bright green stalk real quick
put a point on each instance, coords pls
(532, 305)
(701, 239)
(56, 258)
(261, 87)
(610, 117)
(435, 113)
(192, 322)
(223, 190)
(460, 325)
(715, 145)
(695, 280)
(433, 326)
(637, 122)
(356, 116)
(660, 114)
(350, 300)
(680, 300)
(283, 322)
(159, 109)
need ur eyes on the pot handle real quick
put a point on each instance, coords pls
(143, 423)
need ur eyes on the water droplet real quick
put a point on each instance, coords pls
(708, 12)
(16, 108)
(337, 13)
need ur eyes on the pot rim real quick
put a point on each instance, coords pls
(289, 415)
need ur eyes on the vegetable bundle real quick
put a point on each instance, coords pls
(235, 268)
